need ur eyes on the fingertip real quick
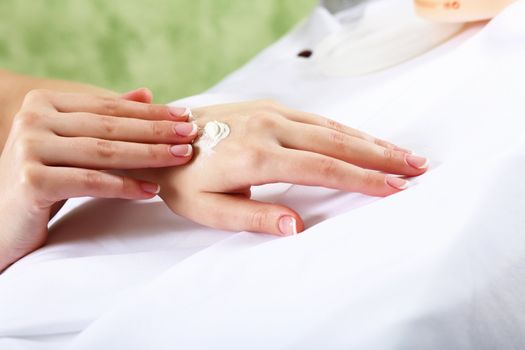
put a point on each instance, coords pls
(147, 190)
(182, 151)
(300, 224)
(186, 129)
(397, 183)
(147, 95)
(150, 188)
(180, 113)
(143, 95)
(290, 224)
(417, 162)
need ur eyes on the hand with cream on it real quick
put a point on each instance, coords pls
(269, 143)
(60, 143)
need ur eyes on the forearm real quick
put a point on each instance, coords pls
(13, 88)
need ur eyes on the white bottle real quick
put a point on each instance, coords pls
(459, 10)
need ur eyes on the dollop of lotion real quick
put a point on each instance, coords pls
(213, 133)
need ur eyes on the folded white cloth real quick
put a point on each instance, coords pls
(438, 266)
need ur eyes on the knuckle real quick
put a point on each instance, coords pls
(105, 149)
(337, 139)
(26, 147)
(31, 176)
(152, 110)
(157, 130)
(369, 179)
(25, 119)
(36, 94)
(332, 124)
(258, 219)
(327, 167)
(389, 155)
(109, 105)
(379, 142)
(263, 121)
(109, 125)
(126, 186)
(155, 152)
(93, 180)
(35, 182)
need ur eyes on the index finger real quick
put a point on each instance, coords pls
(117, 107)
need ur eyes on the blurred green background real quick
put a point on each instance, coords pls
(175, 47)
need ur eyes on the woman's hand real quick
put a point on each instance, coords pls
(61, 143)
(269, 143)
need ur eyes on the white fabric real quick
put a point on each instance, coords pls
(439, 266)
(364, 46)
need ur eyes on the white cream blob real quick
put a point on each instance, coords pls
(213, 133)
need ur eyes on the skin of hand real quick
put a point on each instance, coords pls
(270, 143)
(14, 87)
(64, 145)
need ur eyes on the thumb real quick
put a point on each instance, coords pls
(237, 213)
(143, 95)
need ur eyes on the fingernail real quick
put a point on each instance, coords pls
(185, 129)
(150, 188)
(181, 150)
(179, 111)
(397, 182)
(288, 226)
(416, 161)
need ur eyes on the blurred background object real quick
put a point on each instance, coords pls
(175, 47)
(335, 6)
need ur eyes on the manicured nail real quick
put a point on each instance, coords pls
(416, 161)
(288, 226)
(179, 111)
(181, 150)
(150, 188)
(397, 182)
(185, 129)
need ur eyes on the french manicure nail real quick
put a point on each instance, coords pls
(150, 188)
(397, 182)
(185, 129)
(179, 111)
(181, 150)
(288, 225)
(416, 161)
